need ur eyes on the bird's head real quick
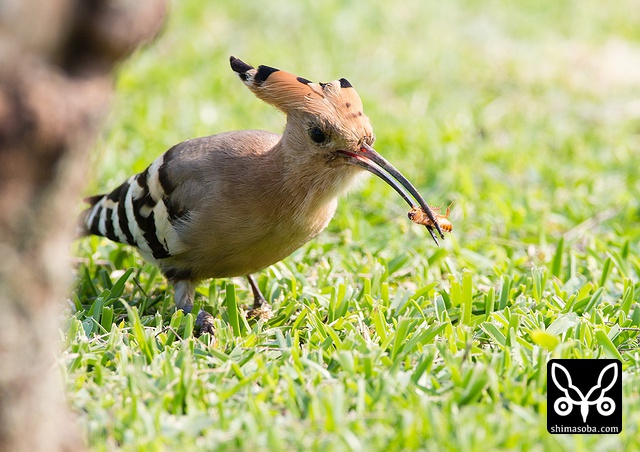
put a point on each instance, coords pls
(327, 121)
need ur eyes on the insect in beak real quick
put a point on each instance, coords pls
(366, 157)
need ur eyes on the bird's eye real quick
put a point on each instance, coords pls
(317, 135)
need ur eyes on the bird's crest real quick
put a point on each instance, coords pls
(290, 93)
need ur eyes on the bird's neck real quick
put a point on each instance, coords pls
(310, 174)
(309, 183)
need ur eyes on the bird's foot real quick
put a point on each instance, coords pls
(261, 312)
(204, 323)
(261, 308)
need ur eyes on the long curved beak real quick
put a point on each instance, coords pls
(366, 157)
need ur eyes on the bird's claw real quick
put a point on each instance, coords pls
(204, 323)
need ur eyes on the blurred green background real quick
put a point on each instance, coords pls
(525, 115)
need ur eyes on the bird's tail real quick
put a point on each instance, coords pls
(85, 225)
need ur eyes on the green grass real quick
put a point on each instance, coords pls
(524, 114)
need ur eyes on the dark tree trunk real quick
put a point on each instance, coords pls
(56, 58)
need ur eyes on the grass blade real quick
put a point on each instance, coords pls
(232, 309)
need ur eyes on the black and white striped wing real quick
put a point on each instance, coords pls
(136, 213)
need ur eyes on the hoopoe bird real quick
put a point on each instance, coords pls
(235, 203)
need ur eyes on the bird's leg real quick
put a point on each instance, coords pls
(261, 307)
(258, 298)
(184, 293)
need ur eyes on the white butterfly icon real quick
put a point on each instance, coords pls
(564, 405)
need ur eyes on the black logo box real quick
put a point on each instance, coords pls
(584, 396)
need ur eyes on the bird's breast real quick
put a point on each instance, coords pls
(259, 214)
(247, 237)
